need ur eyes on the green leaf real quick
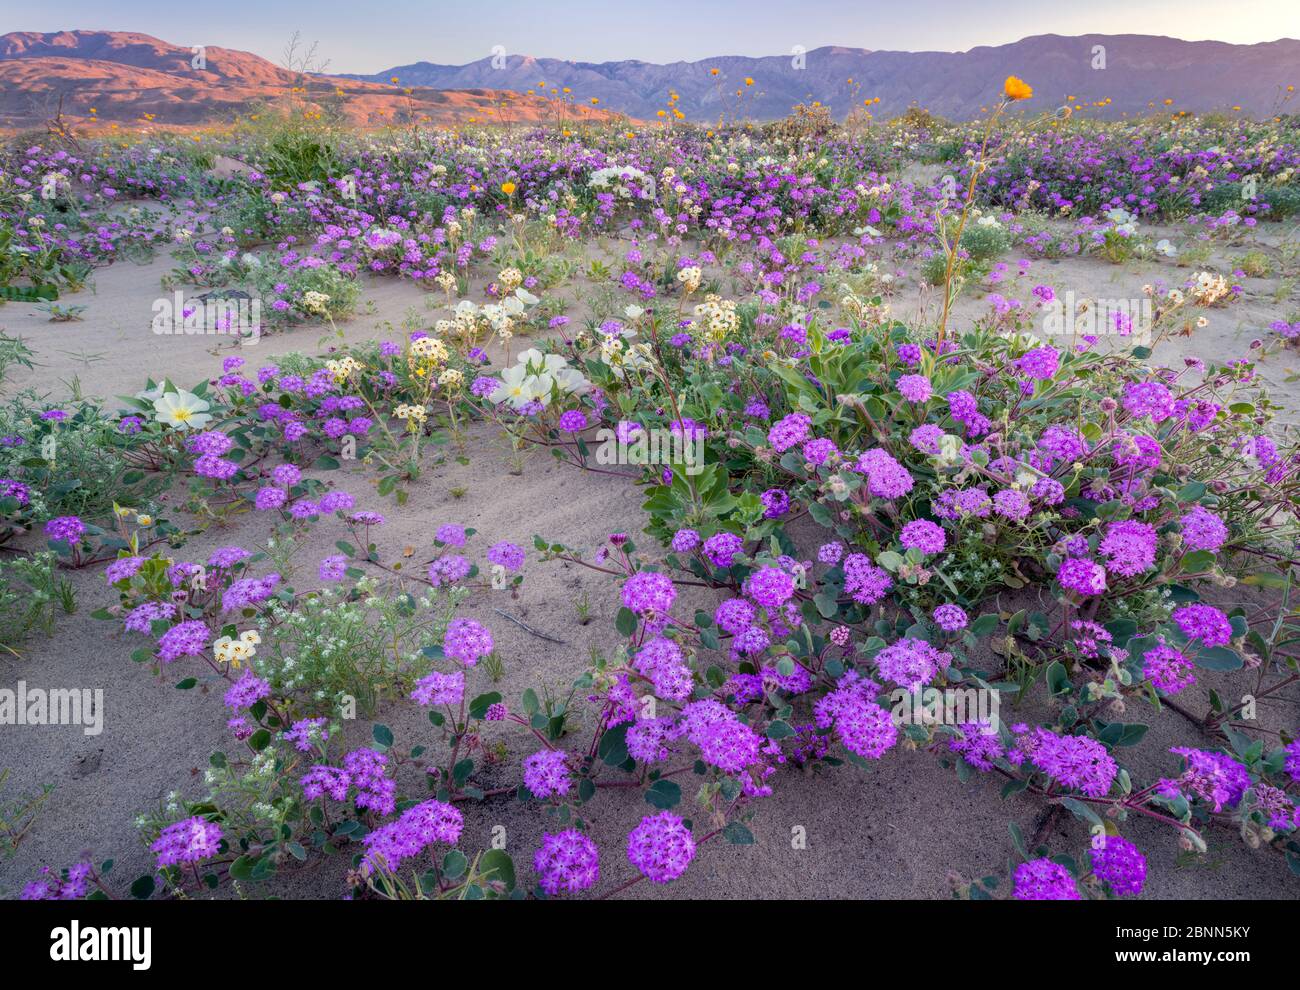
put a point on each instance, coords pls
(1122, 734)
(1058, 681)
(454, 864)
(1018, 839)
(779, 730)
(626, 621)
(1197, 562)
(613, 745)
(1219, 658)
(382, 735)
(143, 888)
(496, 865)
(1080, 810)
(663, 794)
(738, 835)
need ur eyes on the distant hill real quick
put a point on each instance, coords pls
(124, 76)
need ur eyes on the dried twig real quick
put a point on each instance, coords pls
(527, 628)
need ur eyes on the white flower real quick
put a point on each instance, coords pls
(1165, 248)
(315, 302)
(513, 387)
(183, 410)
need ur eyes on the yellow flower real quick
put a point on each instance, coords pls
(749, 81)
(1017, 89)
(508, 188)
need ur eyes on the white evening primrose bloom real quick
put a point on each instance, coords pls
(183, 410)
(512, 388)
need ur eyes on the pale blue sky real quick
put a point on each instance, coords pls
(363, 36)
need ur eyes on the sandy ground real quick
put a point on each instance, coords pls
(893, 832)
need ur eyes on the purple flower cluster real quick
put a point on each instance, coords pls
(247, 691)
(770, 587)
(190, 841)
(978, 745)
(912, 663)
(661, 660)
(950, 618)
(1203, 530)
(467, 641)
(1119, 863)
(1129, 547)
(722, 549)
(414, 831)
(1043, 880)
(863, 726)
(248, 592)
(789, 431)
(439, 689)
(1082, 576)
(923, 535)
(915, 388)
(649, 593)
(1079, 762)
(546, 773)
(1203, 622)
(685, 540)
(186, 639)
(507, 555)
(1168, 669)
(66, 529)
(567, 862)
(449, 570)
(661, 847)
(864, 581)
(886, 478)
(1213, 777)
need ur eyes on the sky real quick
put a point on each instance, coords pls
(371, 36)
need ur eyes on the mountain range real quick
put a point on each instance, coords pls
(99, 78)
(1133, 71)
(125, 77)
